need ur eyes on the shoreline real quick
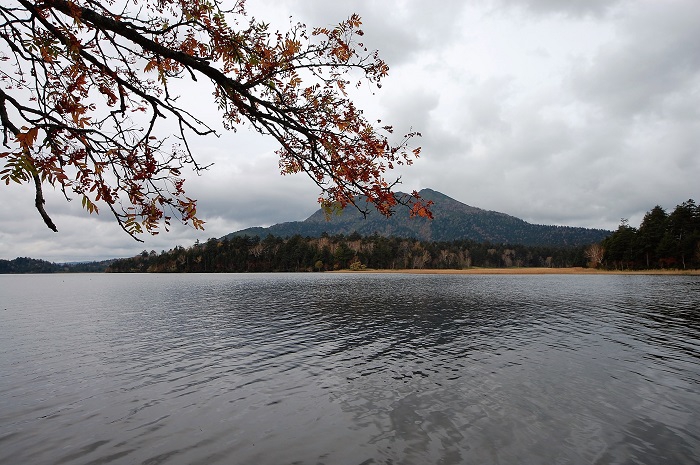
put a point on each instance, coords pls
(530, 271)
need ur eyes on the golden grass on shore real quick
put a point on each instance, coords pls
(533, 271)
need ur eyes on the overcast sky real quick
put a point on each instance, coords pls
(571, 113)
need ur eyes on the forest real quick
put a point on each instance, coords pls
(662, 240)
(22, 265)
(325, 253)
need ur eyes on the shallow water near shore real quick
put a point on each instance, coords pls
(349, 369)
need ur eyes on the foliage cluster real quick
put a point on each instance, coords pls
(297, 253)
(662, 240)
(89, 104)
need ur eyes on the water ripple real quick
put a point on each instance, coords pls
(349, 369)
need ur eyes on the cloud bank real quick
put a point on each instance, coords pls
(573, 113)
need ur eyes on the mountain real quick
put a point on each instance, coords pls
(453, 220)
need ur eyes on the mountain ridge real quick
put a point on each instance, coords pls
(453, 220)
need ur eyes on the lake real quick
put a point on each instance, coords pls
(349, 369)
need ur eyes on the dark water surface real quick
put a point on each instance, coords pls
(349, 369)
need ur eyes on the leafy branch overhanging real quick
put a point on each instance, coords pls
(88, 92)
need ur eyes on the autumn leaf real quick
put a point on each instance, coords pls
(28, 138)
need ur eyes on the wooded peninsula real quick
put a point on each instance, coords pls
(354, 252)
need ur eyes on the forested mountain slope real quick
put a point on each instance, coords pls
(453, 220)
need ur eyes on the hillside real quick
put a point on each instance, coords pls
(21, 265)
(453, 220)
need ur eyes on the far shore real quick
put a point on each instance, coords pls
(573, 270)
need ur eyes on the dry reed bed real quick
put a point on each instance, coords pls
(533, 271)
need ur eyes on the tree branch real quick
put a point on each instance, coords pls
(39, 200)
(39, 203)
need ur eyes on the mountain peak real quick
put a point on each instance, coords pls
(445, 203)
(453, 220)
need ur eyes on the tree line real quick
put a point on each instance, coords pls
(22, 265)
(325, 253)
(662, 240)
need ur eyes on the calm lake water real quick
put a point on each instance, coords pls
(349, 369)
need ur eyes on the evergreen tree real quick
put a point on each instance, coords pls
(650, 234)
(619, 247)
(684, 231)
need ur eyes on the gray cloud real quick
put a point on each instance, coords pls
(652, 69)
(399, 30)
(576, 113)
(575, 8)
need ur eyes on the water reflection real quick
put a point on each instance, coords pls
(645, 441)
(352, 369)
